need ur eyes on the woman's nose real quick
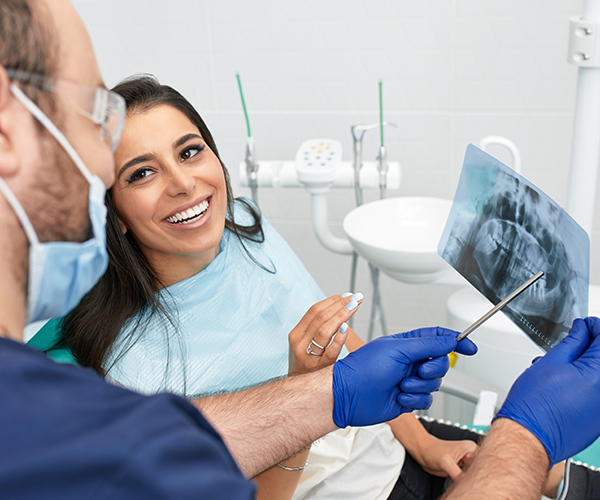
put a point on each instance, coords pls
(180, 181)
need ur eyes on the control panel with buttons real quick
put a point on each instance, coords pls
(316, 161)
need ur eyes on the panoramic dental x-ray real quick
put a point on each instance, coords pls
(501, 231)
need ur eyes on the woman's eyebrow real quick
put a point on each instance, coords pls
(132, 163)
(182, 140)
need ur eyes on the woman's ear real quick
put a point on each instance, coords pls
(9, 159)
(122, 226)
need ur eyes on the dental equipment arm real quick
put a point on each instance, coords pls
(383, 170)
(264, 425)
(320, 220)
(252, 169)
(316, 165)
(382, 157)
(358, 133)
(250, 159)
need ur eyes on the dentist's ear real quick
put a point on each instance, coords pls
(9, 160)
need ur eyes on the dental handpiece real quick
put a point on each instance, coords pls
(499, 306)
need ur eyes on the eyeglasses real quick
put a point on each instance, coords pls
(105, 108)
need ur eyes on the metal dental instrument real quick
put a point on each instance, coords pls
(500, 305)
(383, 166)
(358, 133)
(251, 165)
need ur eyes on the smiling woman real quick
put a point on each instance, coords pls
(167, 189)
(167, 163)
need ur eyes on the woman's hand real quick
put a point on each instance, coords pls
(316, 330)
(444, 458)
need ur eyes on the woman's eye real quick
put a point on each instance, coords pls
(190, 152)
(140, 173)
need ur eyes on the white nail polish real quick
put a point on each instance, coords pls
(352, 305)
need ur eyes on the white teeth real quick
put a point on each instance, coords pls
(182, 217)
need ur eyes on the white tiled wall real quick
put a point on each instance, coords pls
(454, 71)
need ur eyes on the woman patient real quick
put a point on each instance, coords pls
(198, 294)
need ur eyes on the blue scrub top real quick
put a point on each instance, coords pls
(67, 434)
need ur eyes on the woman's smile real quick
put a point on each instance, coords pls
(189, 215)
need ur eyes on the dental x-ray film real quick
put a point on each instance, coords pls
(501, 231)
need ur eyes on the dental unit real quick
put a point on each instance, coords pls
(398, 236)
(318, 168)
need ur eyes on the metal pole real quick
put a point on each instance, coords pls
(586, 136)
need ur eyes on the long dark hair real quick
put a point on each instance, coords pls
(128, 288)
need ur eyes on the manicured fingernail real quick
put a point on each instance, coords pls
(344, 295)
(343, 328)
(357, 296)
(352, 305)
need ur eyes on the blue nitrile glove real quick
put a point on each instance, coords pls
(558, 397)
(423, 379)
(366, 383)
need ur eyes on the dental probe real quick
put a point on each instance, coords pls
(499, 306)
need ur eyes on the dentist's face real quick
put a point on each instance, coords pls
(56, 195)
(170, 192)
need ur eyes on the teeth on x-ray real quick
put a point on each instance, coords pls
(512, 242)
(535, 331)
(502, 231)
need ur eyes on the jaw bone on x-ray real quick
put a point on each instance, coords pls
(501, 231)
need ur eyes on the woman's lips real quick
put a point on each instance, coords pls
(190, 215)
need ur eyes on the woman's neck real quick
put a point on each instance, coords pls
(177, 268)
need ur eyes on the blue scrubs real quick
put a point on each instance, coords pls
(67, 434)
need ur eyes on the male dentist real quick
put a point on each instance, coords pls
(66, 433)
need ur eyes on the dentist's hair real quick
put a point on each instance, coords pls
(28, 42)
(128, 288)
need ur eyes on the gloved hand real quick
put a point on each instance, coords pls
(367, 382)
(558, 397)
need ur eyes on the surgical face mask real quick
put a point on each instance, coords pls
(61, 273)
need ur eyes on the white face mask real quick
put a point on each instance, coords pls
(61, 273)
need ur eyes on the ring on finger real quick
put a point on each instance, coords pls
(317, 345)
(310, 351)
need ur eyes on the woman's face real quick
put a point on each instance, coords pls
(170, 192)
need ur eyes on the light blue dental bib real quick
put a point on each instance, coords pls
(231, 322)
